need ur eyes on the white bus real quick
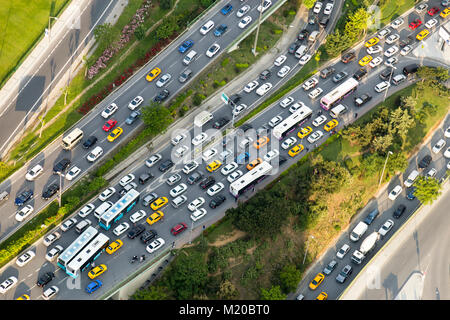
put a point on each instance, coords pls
(84, 259)
(116, 212)
(338, 93)
(79, 244)
(72, 139)
(291, 122)
(249, 179)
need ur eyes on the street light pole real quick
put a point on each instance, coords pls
(385, 162)
(49, 29)
(60, 187)
(306, 251)
(190, 235)
(257, 29)
(390, 77)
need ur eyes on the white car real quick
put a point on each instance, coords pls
(382, 86)
(343, 251)
(447, 132)
(284, 71)
(374, 49)
(383, 33)
(328, 8)
(34, 172)
(275, 120)
(391, 51)
(280, 60)
(262, 90)
(406, 49)
(386, 227)
(238, 109)
(208, 154)
(86, 210)
(286, 102)
(438, 146)
(421, 7)
(179, 189)
(155, 245)
(304, 59)
(50, 292)
(165, 78)
(127, 179)
(190, 166)
(73, 173)
(216, 188)
(177, 139)
(316, 135)
(225, 154)
(376, 62)
(173, 179)
(229, 168)
(109, 110)
(272, 154)
(319, 120)
(181, 151)
(395, 192)
(199, 139)
(108, 192)
(48, 240)
(397, 23)
(234, 176)
(317, 7)
(251, 86)
(207, 27)
(196, 203)
(392, 38)
(68, 224)
(244, 22)
(197, 214)
(296, 106)
(447, 153)
(212, 50)
(25, 258)
(315, 93)
(138, 215)
(431, 173)
(266, 4)
(8, 284)
(153, 159)
(121, 228)
(243, 10)
(136, 102)
(24, 212)
(431, 23)
(310, 83)
(288, 142)
(95, 154)
(391, 61)
(53, 253)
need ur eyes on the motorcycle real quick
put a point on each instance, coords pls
(134, 259)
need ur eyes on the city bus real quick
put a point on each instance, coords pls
(72, 139)
(338, 93)
(249, 179)
(84, 259)
(79, 244)
(290, 123)
(116, 212)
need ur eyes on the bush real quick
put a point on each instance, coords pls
(198, 98)
(225, 62)
(242, 65)
(277, 31)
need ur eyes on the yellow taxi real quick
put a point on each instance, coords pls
(213, 166)
(261, 142)
(24, 297)
(153, 74)
(304, 132)
(316, 281)
(158, 203)
(371, 42)
(115, 134)
(98, 270)
(322, 296)
(445, 13)
(114, 246)
(365, 60)
(422, 34)
(296, 150)
(155, 217)
(330, 125)
(254, 163)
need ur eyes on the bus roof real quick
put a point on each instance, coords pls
(119, 205)
(257, 172)
(87, 252)
(293, 119)
(339, 91)
(76, 246)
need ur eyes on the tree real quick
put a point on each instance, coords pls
(397, 162)
(409, 102)
(167, 27)
(327, 176)
(290, 276)
(152, 293)
(382, 143)
(156, 117)
(357, 22)
(336, 43)
(227, 291)
(274, 293)
(166, 4)
(406, 123)
(427, 189)
(104, 35)
(308, 3)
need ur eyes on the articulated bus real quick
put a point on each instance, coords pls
(116, 212)
(72, 139)
(84, 259)
(249, 179)
(338, 93)
(291, 122)
(79, 244)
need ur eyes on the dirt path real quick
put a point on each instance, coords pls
(223, 240)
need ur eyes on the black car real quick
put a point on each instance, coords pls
(293, 47)
(51, 190)
(399, 211)
(143, 178)
(386, 73)
(166, 165)
(265, 75)
(235, 98)
(245, 127)
(216, 201)
(425, 162)
(340, 76)
(220, 30)
(89, 142)
(361, 73)
(136, 231)
(132, 117)
(324, 21)
(281, 160)
(45, 279)
(194, 177)
(220, 123)
(207, 182)
(324, 73)
(406, 41)
(148, 235)
(303, 34)
(411, 68)
(162, 96)
(349, 56)
(61, 165)
(23, 197)
(344, 274)
(362, 99)
(371, 216)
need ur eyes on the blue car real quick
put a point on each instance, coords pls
(23, 197)
(220, 30)
(410, 195)
(242, 157)
(94, 285)
(185, 46)
(371, 216)
(227, 9)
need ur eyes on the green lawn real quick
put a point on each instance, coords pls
(394, 8)
(21, 24)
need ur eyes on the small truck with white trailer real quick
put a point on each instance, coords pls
(366, 246)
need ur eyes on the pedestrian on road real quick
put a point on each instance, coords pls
(173, 244)
(356, 115)
(307, 149)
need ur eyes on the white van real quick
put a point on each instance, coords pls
(301, 51)
(313, 36)
(83, 224)
(358, 232)
(189, 57)
(202, 118)
(340, 109)
(101, 209)
(410, 180)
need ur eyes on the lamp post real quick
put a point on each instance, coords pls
(257, 29)
(60, 187)
(385, 162)
(306, 251)
(49, 29)
(390, 77)
(190, 235)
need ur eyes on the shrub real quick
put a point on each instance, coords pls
(242, 65)
(198, 98)
(277, 31)
(224, 62)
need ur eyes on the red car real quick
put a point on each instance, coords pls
(178, 228)
(413, 25)
(433, 11)
(109, 124)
